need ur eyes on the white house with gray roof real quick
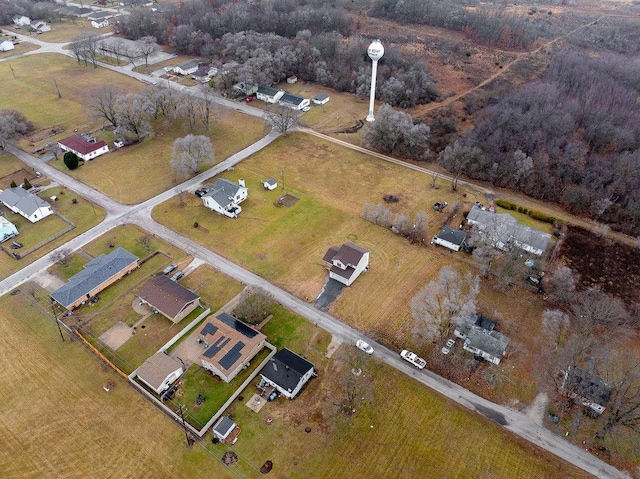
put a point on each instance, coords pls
(187, 68)
(269, 95)
(25, 204)
(294, 102)
(225, 196)
(159, 372)
(450, 238)
(481, 339)
(98, 274)
(503, 231)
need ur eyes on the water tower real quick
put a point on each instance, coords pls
(375, 52)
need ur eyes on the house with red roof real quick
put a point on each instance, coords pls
(85, 146)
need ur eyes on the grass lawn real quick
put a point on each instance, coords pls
(75, 264)
(84, 431)
(144, 169)
(8, 165)
(35, 95)
(82, 213)
(406, 431)
(289, 330)
(214, 288)
(63, 31)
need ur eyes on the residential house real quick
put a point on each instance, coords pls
(587, 389)
(243, 87)
(229, 345)
(226, 430)
(25, 204)
(21, 21)
(270, 184)
(450, 238)
(225, 197)
(159, 372)
(168, 298)
(7, 229)
(98, 274)
(287, 372)
(100, 19)
(294, 102)
(77, 11)
(6, 45)
(269, 95)
(346, 262)
(503, 231)
(204, 73)
(40, 26)
(99, 23)
(481, 339)
(320, 99)
(85, 146)
(187, 68)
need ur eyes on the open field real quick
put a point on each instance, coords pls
(36, 97)
(214, 288)
(286, 245)
(80, 431)
(144, 169)
(82, 213)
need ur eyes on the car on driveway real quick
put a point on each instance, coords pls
(364, 346)
(177, 276)
(447, 347)
(169, 268)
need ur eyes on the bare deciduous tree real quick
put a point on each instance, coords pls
(62, 256)
(13, 124)
(441, 303)
(457, 159)
(132, 115)
(561, 285)
(147, 46)
(189, 153)
(598, 308)
(394, 132)
(282, 118)
(103, 101)
(85, 47)
(254, 305)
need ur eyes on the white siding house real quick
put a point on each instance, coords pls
(225, 197)
(86, 149)
(287, 372)
(269, 95)
(346, 262)
(294, 102)
(6, 45)
(450, 238)
(25, 204)
(159, 372)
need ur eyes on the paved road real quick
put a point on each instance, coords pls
(140, 214)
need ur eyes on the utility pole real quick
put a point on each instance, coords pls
(55, 318)
(184, 425)
(14, 73)
(57, 88)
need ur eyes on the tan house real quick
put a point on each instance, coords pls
(229, 345)
(168, 298)
(159, 372)
(98, 274)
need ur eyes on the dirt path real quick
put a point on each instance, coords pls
(536, 409)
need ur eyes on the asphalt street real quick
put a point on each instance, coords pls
(140, 214)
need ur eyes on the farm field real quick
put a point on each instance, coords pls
(286, 245)
(47, 371)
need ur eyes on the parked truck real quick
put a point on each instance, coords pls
(413, 358)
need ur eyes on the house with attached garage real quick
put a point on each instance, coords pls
(6, 45)
(294, 102)
(287, 372)
(159, 372)
(586, 389)
(85, 146)
(228, 345)
(187, 68)
(168, 298)
(269, 95)
(26, 204)
(97, 275)
(450, 238)
(503, 231)
(346, 262)
(225, 197)
(7, 229)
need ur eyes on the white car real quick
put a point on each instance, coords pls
(306, 108)
(364, 346)
(447, 347)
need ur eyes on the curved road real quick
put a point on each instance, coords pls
(140, 214)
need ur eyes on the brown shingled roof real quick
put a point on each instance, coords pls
(168, 297)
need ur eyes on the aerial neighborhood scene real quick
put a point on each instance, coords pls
(308, 239)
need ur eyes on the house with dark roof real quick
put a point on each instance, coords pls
(159, 372)
(586, 389)
(269, 95)
(168, 298)
(287, 372)
(503, 231)
(86, 149)
(204, 73)
(477, 320)
(320, 99)
(489, 345)
(346, 262)
(98, 274)
(294, 102)
(229, 345)
(226, 430)
(225, 197)
(7, 229)
(25, 204)
(450, 238)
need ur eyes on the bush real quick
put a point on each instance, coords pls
(71, 160)
(13, 184)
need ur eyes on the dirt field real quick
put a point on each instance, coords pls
(613, 267)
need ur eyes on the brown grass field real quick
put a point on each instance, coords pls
(285, 245)
(62, 31)
(58, 422)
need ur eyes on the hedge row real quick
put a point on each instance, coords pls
(536, 215)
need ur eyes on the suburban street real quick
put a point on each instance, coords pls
(118, 214)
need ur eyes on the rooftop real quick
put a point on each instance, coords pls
(291, 99)
(21, 199)
(452, 235)
(156, 369)
(587, 385)
(286, 368)
(491, 342)
(81, 145)
(222, 191)
(321, 96)
(168, 297)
